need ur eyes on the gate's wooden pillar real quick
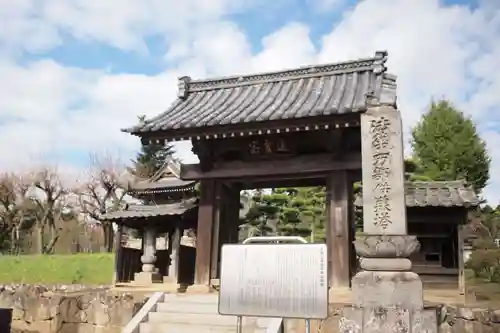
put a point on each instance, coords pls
(226, 216)
(338, 187)
(205, 228)
(233, 214)
(218, 228)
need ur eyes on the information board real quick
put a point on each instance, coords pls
(274, 280)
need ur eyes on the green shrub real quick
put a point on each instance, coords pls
(485, 261)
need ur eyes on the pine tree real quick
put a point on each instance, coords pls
(447, 147)
(304, 213)
(288, 212)
(150, 159)
(262, 213)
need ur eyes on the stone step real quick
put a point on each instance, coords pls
(213, 319)
(191, 328)
(183, 328)
(191, 298)
(187, 307)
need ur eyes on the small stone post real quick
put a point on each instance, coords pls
(387, 296)
(149, 273)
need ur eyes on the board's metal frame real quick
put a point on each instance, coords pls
(273, 239)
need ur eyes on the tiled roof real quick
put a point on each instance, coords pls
(437, 194)
(171, 184)
(143, 211)
(167, 179)
(320, 90)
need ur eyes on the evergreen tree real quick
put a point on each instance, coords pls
(288, 212)
(303, 214)
(490, 219)
(262, 213)
(150, 159)
(447, 147)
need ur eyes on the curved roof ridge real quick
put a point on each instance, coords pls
(375, 64)
(224, 106)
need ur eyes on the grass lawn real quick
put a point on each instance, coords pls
(82, 268)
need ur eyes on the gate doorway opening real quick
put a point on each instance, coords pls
(287, 207)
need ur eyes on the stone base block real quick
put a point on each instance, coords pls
(338, 293)
(171, 284)
(199, 289)
(381, 320)
(372, 289)
(147, 278)
(169, 280)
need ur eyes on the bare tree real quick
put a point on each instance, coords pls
(50, 198)
(14, 208)
(104, 191)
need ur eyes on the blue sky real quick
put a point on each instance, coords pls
(74, 72)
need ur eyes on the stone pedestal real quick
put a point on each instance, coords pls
(146, 278)
(387, 296)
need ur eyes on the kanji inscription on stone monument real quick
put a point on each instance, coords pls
(384, 210)
(381, 170)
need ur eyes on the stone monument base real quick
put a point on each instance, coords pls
(146, 278)
(385, 320)
(387, 296)
(386, 289)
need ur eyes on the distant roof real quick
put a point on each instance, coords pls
(167, 179)
(144, 211)
(312, 91)
(437, 194)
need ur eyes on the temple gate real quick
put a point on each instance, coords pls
(297, 127)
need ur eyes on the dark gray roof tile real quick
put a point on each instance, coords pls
(167, 179)
(304, 92)
(144, 211)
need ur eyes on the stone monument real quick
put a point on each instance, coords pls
(149, 273)
(387, 296)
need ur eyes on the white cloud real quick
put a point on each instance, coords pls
(119, 23)
(435, 51)
(288, 47)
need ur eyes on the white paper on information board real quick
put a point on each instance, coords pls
(274, 280)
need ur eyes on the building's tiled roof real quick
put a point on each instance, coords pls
(144, 211)
(321, 90)
(437, 194)
(167, 179)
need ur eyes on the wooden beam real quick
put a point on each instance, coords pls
(338, 229)
(204, 232)
(292, 182)
(301, 165)
(221, 131)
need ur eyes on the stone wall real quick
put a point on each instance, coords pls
(452, 319)
(75, 309)
(80, 309)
